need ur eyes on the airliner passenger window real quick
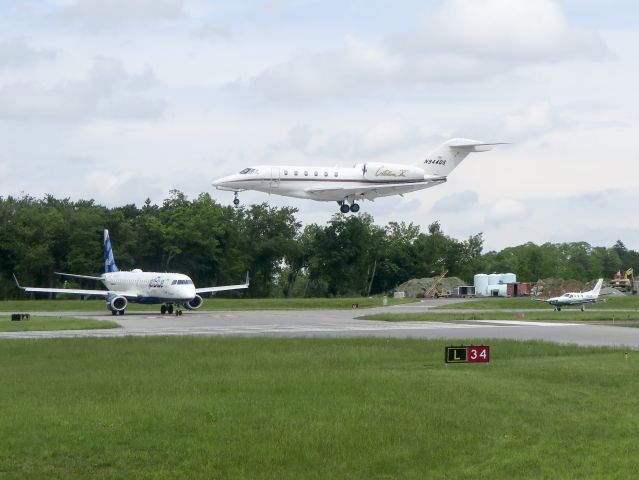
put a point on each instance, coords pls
(326, 174)
(306, 174)
(285, 172)
(335, 174)
(316, 174)
(295, 173)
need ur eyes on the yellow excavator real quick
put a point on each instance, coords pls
(625, 283)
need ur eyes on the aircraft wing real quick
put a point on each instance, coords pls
(372, 190)
(223, 288)
(73, 275)
(75, 291)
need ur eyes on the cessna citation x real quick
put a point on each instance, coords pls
(570, 299)
(364, 181)
(169, 289)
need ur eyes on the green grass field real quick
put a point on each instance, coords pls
(210, 304)
(612, 302)
(622, 317)
(266, 408)
(52, 323)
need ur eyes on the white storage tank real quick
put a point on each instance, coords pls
(481, 283)
(493, 278)
(508, 278)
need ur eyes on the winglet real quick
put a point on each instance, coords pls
(17, 283)
(247, 279)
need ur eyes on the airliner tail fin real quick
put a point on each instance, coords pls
(109, 259)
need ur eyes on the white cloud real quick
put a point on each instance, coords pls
(512, 31)
(17, 51)
(112, 13)
(532, 120)
(460, 41)
(505, 211)
(461, 202)
(108, 90)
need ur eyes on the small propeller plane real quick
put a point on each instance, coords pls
(346, 186)
(168, 289)
(570, 299)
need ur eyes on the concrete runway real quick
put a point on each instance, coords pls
(338, 323)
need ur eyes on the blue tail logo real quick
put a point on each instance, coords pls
(109, 259)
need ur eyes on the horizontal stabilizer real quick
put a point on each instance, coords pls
(475, 147)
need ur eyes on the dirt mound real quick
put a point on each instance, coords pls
(554, 287)
(418, 287)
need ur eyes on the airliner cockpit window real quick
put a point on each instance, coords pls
(245, 171)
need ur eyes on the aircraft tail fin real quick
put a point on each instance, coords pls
(109, 259)
(445, 158)
(595, 291)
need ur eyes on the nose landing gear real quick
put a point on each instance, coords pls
(168, 308)
(236, 201)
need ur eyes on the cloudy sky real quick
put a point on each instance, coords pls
(120, 100)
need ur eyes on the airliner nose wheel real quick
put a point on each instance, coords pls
(354, 208)
(236, 201)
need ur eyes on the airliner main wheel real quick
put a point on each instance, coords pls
(344, 208)
(169, 309)
(163, 309)
(355, 208)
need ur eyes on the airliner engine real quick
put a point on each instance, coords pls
(392, 171)
(117, 304)
(195, 303)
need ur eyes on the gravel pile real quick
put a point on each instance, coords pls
(417, 287)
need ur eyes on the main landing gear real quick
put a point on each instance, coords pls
(345, 207)
(168, 308)
(236, 201)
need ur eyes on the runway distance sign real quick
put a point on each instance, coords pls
(468, 354)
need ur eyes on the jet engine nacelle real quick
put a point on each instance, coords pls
(392, 172)
(195, 303)
(116, 303)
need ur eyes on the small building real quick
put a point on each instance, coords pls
(464, 291)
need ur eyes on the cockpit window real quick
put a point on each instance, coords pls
(248, 171)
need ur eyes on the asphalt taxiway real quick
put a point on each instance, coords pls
(338, 323)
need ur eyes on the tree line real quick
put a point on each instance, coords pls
(216, 245)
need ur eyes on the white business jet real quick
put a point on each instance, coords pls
(346, 186)
(169, 289)
(570, 299)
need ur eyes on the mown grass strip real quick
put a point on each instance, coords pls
(36, 323)
(612, 302)
(563, 316)
(261, 408)
(210, 304)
